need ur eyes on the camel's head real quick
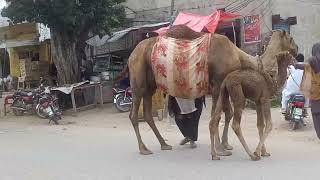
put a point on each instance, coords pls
(287, 43)
(284, 60)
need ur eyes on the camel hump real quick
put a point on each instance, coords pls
(183, 32)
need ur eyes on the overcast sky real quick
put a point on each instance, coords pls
(2, 4)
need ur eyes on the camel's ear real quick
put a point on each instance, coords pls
(284, 33)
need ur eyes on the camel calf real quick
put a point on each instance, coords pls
(258, 86)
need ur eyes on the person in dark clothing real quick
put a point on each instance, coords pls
(300, 57)
(187, 123)
(313, 66)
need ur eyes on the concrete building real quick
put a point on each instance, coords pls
(305, 31)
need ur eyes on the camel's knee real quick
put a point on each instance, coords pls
(134, 119)
(269, 127)
(260, 124)
(236, 127)
(228, 116)
(214, 123)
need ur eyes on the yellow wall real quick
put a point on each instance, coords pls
(14, 62)
(14, 58)
(44, 53)
(26, 31)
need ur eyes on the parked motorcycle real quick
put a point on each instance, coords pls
(39, 101)
(122, 98)
(25, 101)
(48, 107)
(296, 112)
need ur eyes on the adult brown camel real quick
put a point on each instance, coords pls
(257, 86)
(223, 58)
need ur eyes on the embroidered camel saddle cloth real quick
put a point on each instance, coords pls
(181, 66)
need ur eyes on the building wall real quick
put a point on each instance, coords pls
(305, 33)
(307, 30)
(158, 11)
(14, 58)
(148, 11)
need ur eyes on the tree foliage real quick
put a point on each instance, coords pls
(73, 16)
(70, 22)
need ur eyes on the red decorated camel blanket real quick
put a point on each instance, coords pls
(181, 66)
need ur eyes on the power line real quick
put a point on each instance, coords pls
(232, 3)
(163, 7)
(242, 6)
(261, 4)
(264, 12)
(238, 5)
(308, 2)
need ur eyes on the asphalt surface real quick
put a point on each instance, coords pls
(100, 144)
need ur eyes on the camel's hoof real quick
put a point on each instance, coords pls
(166, 147)
(256, 156)
(145, 152)
(227, 147)
(224, 153)
(265, 154)
(215, 158)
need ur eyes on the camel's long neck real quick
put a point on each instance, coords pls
(247, 61)
(268, 59)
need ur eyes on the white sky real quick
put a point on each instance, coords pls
(2, 4)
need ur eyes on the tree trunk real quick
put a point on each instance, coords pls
(65, 57)
(81, 46)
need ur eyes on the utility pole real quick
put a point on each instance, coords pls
(172, 11)
(165, 111)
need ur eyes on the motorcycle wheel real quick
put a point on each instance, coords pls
(55, 120)
(17, 103)
(40, 112)
(295, 125)
(122, 108)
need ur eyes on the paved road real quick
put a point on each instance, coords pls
(100, 144)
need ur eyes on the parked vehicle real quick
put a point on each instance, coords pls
(296, 112)
(48, 107)
(122, 98)
(25, 101)
(39, 101)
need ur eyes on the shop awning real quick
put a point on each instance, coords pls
(96, 41)
(198, 22)
(18, 43)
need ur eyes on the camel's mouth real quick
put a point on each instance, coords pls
(294, 52)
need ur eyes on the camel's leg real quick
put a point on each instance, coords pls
(135, 122)
(237, 129)
(213, 135)
(267, 117)
(238, 100)
(261, 126)
(147, 112)
(228, 116)
(216, 148)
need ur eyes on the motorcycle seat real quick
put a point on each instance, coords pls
(119, 90)
(297, 97)
(24, 93)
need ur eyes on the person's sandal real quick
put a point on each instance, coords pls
(193, 145)
(184, 141)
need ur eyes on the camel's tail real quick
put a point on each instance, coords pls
(123, 73)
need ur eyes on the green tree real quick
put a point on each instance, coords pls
(70, 22)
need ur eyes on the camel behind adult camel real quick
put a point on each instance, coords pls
(223, 58)
(257, 86)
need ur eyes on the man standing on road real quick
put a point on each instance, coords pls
(187, 114)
